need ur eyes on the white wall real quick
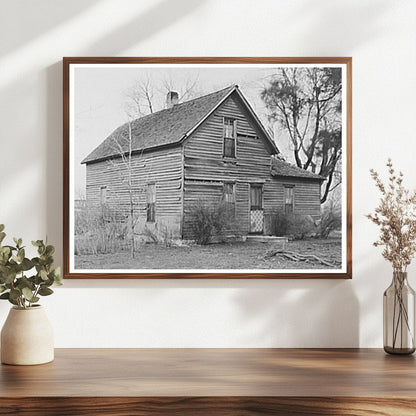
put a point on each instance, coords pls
(380, 35)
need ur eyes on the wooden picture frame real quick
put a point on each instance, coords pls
(246, 182)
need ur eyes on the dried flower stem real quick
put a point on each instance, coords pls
(396, 217)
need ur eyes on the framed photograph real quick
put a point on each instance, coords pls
(207, 168)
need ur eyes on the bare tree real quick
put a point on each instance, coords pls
(147, 95)
(140, 98)
(122, 145)
(186, 88)
(306, 102)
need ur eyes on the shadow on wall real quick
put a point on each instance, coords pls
(45, 17)
(158, 17)
(312, 313)
(348, 25)
(300, 313)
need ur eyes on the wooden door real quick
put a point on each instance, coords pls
(256, 209)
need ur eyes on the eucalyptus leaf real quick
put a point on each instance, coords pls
(15, 294)
(15, 285)
(45, 291)
(48, 282)
(11, 248)
(58, 277)
(43, 275)
(9, 277)
(27, 293)
(24, 282)
(5, 250)
(21, 255)
(49, 250)
(4, 257)
(26, 264)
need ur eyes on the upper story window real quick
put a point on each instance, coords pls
(230, 137)
(289, 199)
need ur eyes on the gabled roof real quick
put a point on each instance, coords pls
(282, 168)
(169, 127)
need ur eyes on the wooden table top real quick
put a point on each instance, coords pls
(214, 372)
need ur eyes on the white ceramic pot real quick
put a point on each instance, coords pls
(27, 337)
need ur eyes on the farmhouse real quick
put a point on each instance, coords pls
(209, 150)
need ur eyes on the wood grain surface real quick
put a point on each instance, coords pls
(212, 381)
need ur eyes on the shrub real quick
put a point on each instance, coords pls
(161, 235)
(208, 220)
(331, 220)
(280, 223)
(99, 231)
(296, 225)
(301, 226)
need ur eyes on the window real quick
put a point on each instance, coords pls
(289, 200)
(229, 198)
(151, 202)
(256, 197)
(230, 135)
(103, 195)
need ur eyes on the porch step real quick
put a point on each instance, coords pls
(266, 239)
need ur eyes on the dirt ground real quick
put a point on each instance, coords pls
(242, 255)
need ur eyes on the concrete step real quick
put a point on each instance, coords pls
(266, 239)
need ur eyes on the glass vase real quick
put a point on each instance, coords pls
(399, 316)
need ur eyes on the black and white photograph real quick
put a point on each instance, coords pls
(207, 168)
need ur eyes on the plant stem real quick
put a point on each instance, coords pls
(401, 314)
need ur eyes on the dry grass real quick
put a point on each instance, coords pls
(248, 255)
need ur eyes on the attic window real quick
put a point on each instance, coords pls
(230, 135)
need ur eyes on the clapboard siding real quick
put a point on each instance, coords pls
(198, 193)
(162, 167)
(204, 149)
(306, 195)
(211, 194)
(195, 171)
(204, 161)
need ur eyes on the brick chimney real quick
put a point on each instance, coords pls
(172, 98)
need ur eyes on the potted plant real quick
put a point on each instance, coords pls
(27, 336)
(396, 217)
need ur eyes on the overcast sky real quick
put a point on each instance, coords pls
(100, 96)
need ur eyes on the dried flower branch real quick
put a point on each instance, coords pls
(396, 217)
